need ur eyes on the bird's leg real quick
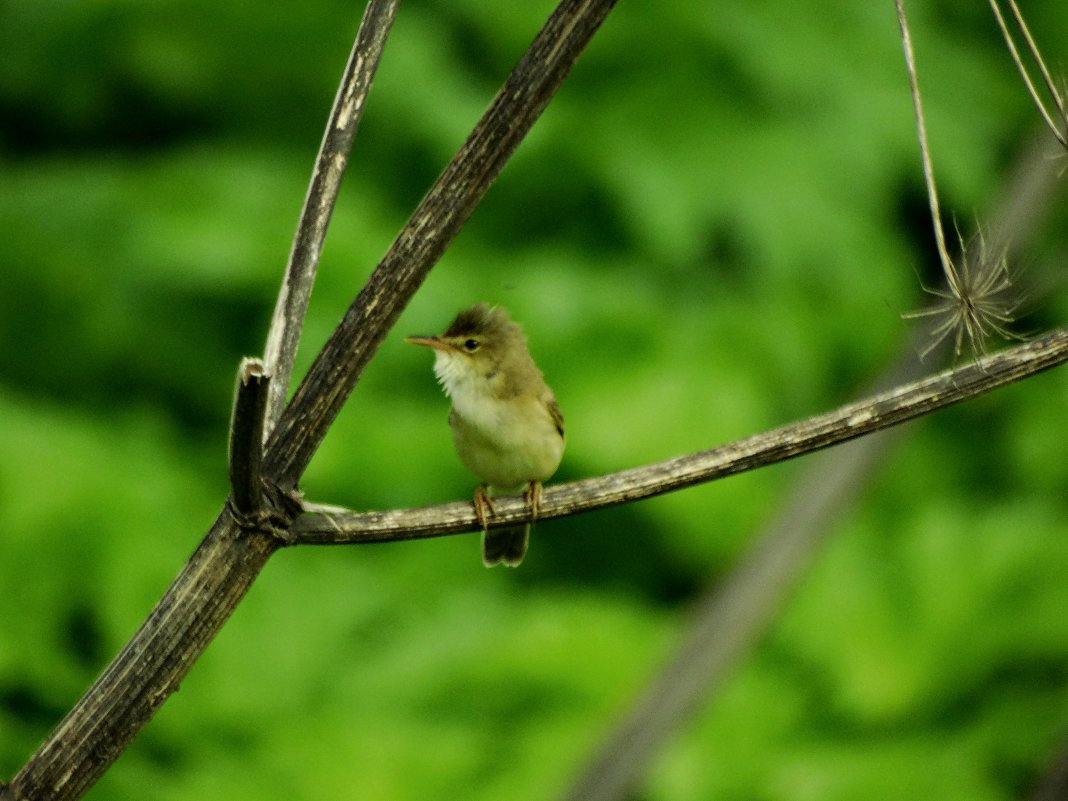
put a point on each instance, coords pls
(483, 506)
(533, 498)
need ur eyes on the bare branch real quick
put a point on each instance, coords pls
(429, 230)
(288, 320)
(898, 405)
(246, 437)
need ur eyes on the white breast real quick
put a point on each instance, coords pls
(506, 443)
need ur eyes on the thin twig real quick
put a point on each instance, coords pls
(948, 267)
(283, 337)
(1047, 78)
(847, 422)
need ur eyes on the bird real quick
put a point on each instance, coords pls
(506, 424)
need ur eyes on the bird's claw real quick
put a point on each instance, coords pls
(533, 498)
(484, 510)
(483, 506)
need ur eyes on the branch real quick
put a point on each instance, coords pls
(430, 229)
(292, 304)
(328, 526)
(152, 664)
(979, 300)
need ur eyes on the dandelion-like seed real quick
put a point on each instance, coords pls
(979, 301)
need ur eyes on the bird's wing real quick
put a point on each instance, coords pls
(555, 413)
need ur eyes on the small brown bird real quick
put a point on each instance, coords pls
(506, 424)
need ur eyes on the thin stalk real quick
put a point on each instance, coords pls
(283, 336)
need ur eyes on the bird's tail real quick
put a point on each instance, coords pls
(505, 546)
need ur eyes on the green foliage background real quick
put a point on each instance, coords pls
(712, 231)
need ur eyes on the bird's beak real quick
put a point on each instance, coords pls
(431, 342)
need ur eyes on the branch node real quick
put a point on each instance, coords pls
(274, 518)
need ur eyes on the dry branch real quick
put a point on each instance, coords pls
(1059, 127)
(853, 420)
(148, 668)
(284, 335)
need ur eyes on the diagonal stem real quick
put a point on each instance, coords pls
(292, 304)
(948, 267)
(150, 667)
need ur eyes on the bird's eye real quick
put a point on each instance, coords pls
(471, 345)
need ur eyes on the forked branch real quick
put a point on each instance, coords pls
(152, 664)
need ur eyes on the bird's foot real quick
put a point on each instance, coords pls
(483, 506)
(484, 510)
(533, 498)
